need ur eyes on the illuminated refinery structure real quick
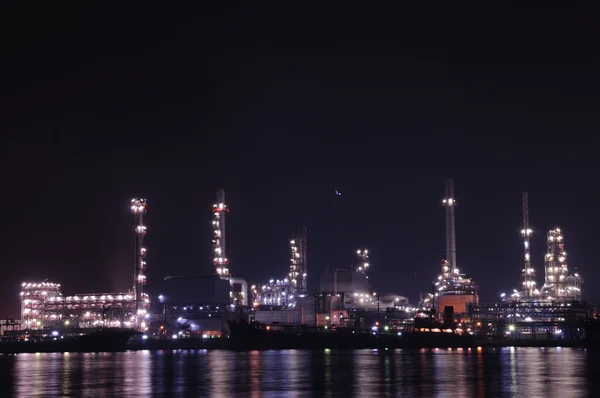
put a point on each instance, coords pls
(33, 299)
(220, 210)
(297, 275)
(346, 298)
(529, 284)
(532, 313)
(44, 306)
(555, 281)
(285, 292)
(276, 293)
(558, 283)
(449, 203)
(190, 300)
(351, 284)
(238, 293)
(138, 208)
(202, 303)
(452, 289)
(362, 265)
(549, 312)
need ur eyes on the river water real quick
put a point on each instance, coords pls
(516, 372)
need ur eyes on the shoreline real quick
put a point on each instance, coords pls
(250, 340)
(159, 345)
(172, 346)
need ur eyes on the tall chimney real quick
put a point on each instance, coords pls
(220, 210)
(449, 203)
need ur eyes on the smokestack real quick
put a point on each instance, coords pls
(221, 202)
(449, 203)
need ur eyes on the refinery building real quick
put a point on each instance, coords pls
(43, 305)
(202, 305)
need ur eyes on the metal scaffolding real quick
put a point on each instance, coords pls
(528, 273)
(138, 208)
(532, 311)
(362, 262)
(558, 283)
(44, 306)
(220, 210)
(298, 269)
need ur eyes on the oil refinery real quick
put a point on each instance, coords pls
(552, 312)
(286, 291)
(44, 307)
(452, 289)
(202, 305)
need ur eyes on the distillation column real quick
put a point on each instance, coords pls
(529, 285)
(298, 268)
(556, 265)
(220, 257)
(449, 203)
(138, 208)
(362, 265)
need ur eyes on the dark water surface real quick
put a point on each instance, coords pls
(521, 372)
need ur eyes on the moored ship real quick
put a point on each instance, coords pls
(247, 336)
(101, 340)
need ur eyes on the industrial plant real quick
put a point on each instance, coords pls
(43, 307)
(201, 305)
(452, 289)
(286, 292)
(549, 312)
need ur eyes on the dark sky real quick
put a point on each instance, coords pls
(281, 107)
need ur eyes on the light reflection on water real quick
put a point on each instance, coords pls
(527, 372)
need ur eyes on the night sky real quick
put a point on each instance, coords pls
(281, 107)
